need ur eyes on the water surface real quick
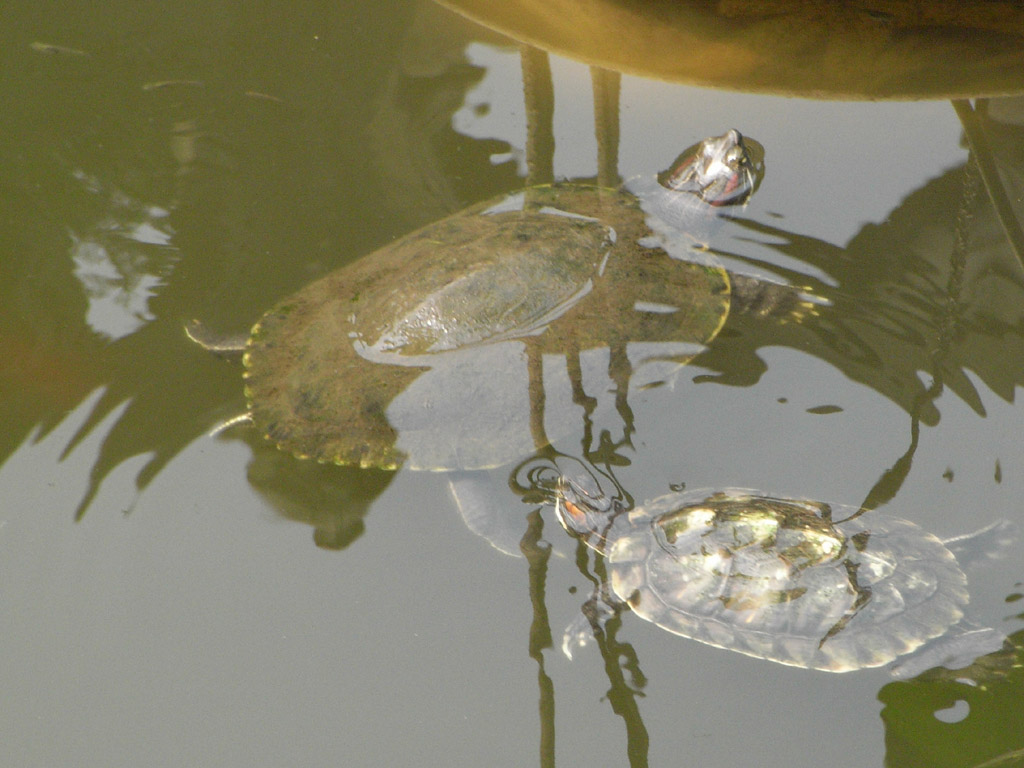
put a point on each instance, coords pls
(168, 598)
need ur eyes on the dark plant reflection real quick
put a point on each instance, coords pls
(958, 719)
(883, 326)
(619, 660)
(621, 665)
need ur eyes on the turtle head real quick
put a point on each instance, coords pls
(583, 509)
(722, 170)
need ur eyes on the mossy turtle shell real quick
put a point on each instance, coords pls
(781, 579)
(418, 352)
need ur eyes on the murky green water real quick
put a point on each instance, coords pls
(163, 600)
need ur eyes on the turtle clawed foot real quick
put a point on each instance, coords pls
(590, 621)
(576, 636)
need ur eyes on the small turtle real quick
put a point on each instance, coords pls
(419, 353)
(784, 579)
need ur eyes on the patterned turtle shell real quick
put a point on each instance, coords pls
(796, 582)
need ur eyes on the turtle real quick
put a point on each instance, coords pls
(420, 354)
(797, 582)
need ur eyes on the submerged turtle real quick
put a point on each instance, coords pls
(398, 357)
(784, 579)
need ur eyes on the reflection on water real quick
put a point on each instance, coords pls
(331, 500)
(476, 116)
(881, 327)
(957, 719)
(112, 263)
(150, 181)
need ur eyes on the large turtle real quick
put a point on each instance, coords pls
(420, 352)
(797, 582)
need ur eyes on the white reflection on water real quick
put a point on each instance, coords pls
(493, 109)
(114, 260)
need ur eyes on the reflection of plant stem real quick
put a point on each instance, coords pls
(539, 95)
(622, 695)
(537, 555)
(892, 479)
(982, 154)
(620, 372)
(580, 396)
(535, 388)
(606, 85)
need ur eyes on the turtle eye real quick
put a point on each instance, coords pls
(575, 512)
(574, 516)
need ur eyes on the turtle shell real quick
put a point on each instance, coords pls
(779, 579)
(419, 352)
